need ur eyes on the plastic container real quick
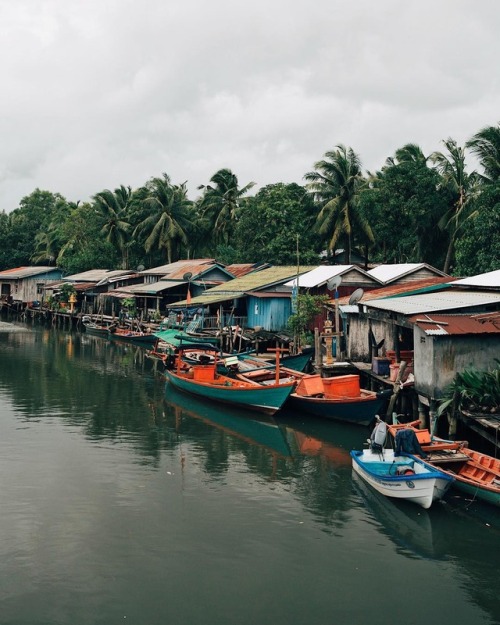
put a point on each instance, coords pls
(342, 386)
(380, 366)
(204, 374)
(310, 385)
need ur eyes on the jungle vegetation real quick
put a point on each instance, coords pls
(417, 208)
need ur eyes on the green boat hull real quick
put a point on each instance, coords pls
(477, 492)
(267, 399)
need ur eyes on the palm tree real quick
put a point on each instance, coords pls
(114, 205)
(46, 245)
(336, 184)
(457, 181)
(221, 203)
(410, 153)
(485, 145)
(168, 219)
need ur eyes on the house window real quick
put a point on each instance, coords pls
(39, 288)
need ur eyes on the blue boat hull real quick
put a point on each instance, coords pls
(361, 412)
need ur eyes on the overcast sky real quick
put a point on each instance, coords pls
(99, 93)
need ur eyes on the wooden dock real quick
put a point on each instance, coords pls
(486, 425)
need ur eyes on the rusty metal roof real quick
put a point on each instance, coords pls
(25, 272)
(78, 286)
(450, 325)
(396, 290)
(241, 269)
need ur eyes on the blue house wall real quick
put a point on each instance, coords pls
(270, 313)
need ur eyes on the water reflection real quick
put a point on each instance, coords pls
(133, 485)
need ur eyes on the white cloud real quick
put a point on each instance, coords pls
(98, 94)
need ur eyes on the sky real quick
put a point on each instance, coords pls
(102, 93)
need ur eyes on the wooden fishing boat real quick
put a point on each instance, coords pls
(428, 443)
(96, 329)
(475, 473)
(403, 477)
(205, 381)
(338, 398)
(478, 475)
(296, 362)
(136, 337)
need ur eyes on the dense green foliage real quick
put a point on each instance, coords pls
(473, 390)
(417, 208)
(270, 223)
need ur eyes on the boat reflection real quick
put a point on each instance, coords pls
(406, 525)
(256, 430)
(313, 436)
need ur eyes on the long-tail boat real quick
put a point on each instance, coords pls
(475, 473)
(338, 398)
(204, 380)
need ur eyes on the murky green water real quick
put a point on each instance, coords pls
(122, 502)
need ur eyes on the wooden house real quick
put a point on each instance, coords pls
(24, 285)
(443, 328)
(258, 299)
(168, 284)
(404, 273)
(91, 286)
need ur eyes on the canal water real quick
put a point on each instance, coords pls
(122, 501)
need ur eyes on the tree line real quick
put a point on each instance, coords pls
(417, 208)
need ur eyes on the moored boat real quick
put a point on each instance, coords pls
(475, 473)
(204, 380)
(338, 398)
(136, 337)
(296, 362)
(427, 442)
(403, 477)
(478, 475)
(96, 329)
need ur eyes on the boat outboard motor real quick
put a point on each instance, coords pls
(378, 437)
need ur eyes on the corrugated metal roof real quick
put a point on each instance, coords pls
(491, 279)
(241, 269)
(209, 298)
(388, 273)
(444, 325)
(396, 290)
(97, 275)
(320, 275)
(197, 271)
(147, 289)
(190, 264)
(429, 302)
(349, 308)
(78, 286)
(26, 272)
